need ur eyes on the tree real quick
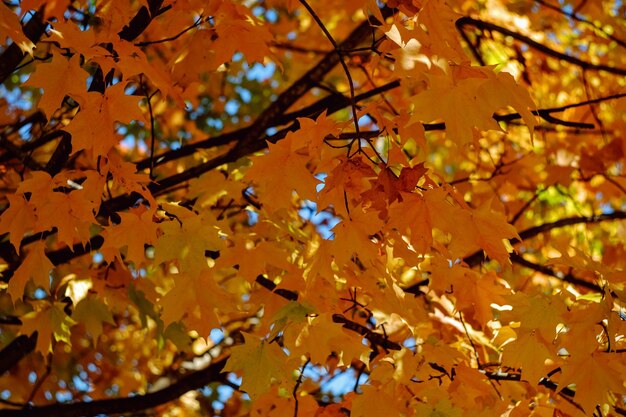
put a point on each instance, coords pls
(312, 208)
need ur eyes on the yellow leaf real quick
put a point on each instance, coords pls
(269, 172)
(144, 232)
(197, 301)
(322, 336)
(49, 323)
(261, 364)
(355, 236)
(529, 352)
(92, 312)
(595, 376)
(375, 402)
(186, 237)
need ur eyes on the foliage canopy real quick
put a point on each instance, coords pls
(312, 208)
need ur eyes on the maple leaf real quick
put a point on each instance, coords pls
(92, 312)
(441, 408)
(345, 184)
(70, 213)
(469, 386)
(10, 27)
(387, 188)
(144, 233)
(259, 259)
(94, 125)
(355, 235)
(594, 376)
(133, 61)
(292, 313)
(247, 35)
(143, 221)
(467, 99)
(18, 219)
(439, 18)
(37, 266)
(412, 214)
(68, 35)
(50, 323)
(52, 8)
(39, 185)
(59, 78)
(492, 230)
(268, 170)
(186, 238)
(529, 351)
(261, 364)
(375, 402)
(312, 133)
(196, 300)
(536, 312)
(125, 176)
(323, 331)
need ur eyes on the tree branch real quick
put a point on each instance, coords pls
(479, 257)
(546, 270)
(480, 24)
(249, 142)
(346, 70)
(127, 405)
(16, 350)
(142, 19)
(574, 16)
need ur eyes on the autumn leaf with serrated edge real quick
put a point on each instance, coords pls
(260, 363)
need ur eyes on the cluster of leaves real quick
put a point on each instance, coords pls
(312, 208)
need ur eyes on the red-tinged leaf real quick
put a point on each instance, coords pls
(345, 184)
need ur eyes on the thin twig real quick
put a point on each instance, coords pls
(173, 38)
(295, 388)
(40, 381)
(341, 62)
(594, 113)
(526, 205)
(473, 48)
(470, 340)
(481, 24)
(546, 270)
(152, 135)
(574, 16)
